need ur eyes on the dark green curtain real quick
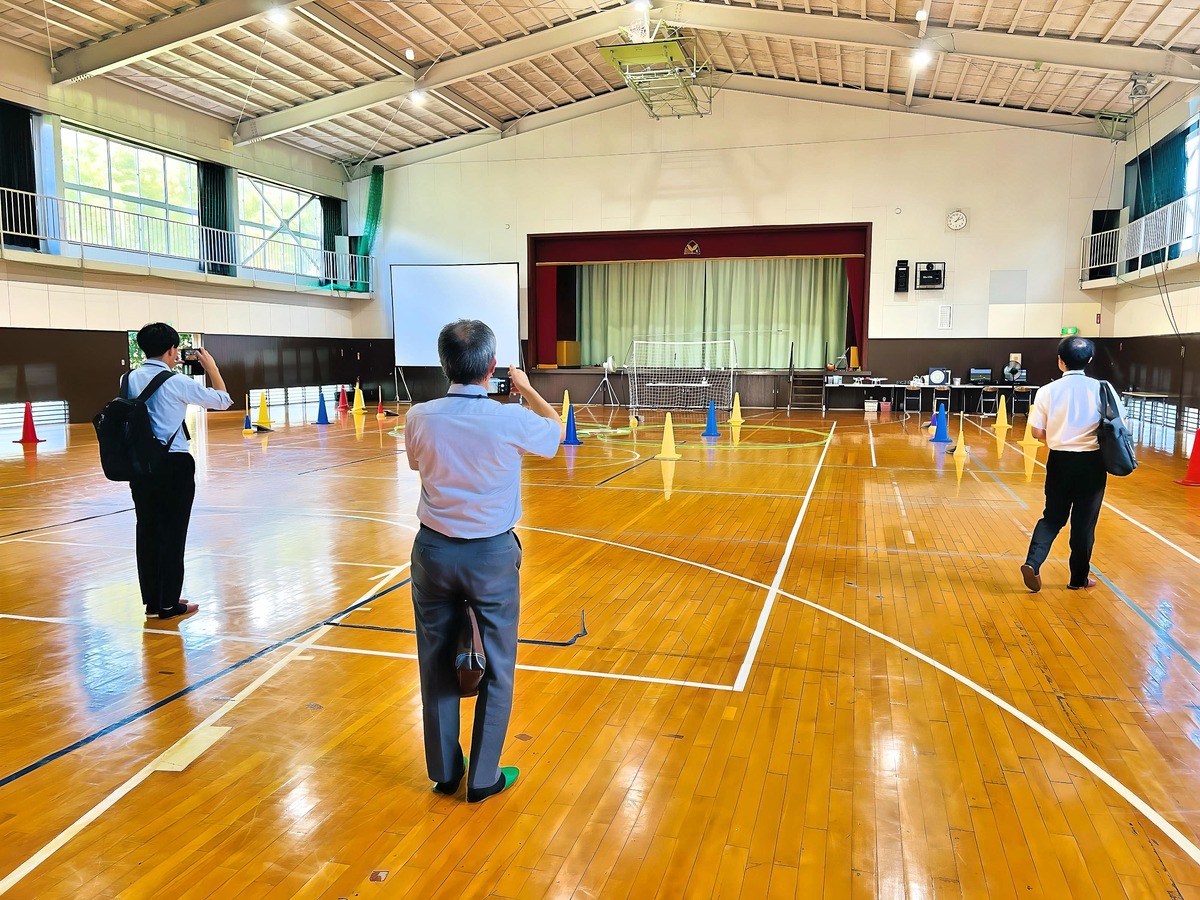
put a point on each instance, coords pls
(18, 171)
(219, 247)
(333, 225)
(1161, 180)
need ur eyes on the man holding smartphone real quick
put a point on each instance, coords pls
(468, 451)
(163, 501)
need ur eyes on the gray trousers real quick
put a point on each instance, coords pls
(446, 573)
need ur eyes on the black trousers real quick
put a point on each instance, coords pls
(164, 507)
(1074, 491)
(446, 573)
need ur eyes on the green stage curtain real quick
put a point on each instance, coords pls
(762, 305)
(623, 302)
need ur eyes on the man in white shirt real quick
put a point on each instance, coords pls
(1066, 415)
(163, 501)
(468, 450)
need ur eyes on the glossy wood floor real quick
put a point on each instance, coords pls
(810, 670)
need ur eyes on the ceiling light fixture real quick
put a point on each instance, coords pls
(277, 15)
(408, 54)
(640, 5)
(417, 97)
(922, 15)
(921, 59)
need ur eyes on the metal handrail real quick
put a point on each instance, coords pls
(1168, 226)
(50, 222)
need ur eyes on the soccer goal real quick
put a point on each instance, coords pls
(681, 374)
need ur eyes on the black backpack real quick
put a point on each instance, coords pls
(128, 448)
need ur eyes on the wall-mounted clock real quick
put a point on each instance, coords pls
(957, 220)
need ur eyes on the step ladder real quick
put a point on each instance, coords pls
(806, 389)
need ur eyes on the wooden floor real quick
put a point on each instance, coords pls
(810, 670)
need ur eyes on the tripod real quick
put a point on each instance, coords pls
(605, 389)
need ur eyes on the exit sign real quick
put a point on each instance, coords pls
(1067, 332)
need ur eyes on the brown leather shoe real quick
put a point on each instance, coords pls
(1091, 583)
(1033, 580)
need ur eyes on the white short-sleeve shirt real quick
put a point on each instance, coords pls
(1068, 410)
(467, 449)
(168, 405)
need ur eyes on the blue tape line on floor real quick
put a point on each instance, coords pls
(540, 643)
(142, 713)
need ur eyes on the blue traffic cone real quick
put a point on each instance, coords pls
(710, 427)
(322, 415)
(941, 434)
(572, 439)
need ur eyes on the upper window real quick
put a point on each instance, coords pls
(281, 227)
(142, 199)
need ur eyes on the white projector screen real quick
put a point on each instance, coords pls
(425, 298)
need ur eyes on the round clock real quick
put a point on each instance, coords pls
(957, 220)
(937, 376)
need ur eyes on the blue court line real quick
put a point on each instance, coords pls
(571, 643)
(1163, 634)
(142, 713)
(115, 512)
(996, 479)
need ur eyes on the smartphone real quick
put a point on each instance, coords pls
(189, 355)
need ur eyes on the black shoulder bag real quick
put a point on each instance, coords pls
(1116, 444)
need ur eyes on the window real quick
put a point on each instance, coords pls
(137, 357)
(134, 198)
(279, 229)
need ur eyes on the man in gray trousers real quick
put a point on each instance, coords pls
(467, 449)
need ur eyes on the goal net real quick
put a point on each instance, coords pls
(681, 374)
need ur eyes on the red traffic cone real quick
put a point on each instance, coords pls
(28, 434)
(380, 414)
(343, 404)
(1192, 478)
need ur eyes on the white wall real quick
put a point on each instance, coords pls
(765, 161)
(40, 296)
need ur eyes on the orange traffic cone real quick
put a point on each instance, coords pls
(1191, 479)
(380, 415)
(28, 433)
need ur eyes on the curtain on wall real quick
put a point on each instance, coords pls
(18, 171)
(763, 305)
(219, 255)
(1161, 180)
(623, 302)
(333, 225)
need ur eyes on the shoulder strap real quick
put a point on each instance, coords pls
(155, 383)
(1108, 409)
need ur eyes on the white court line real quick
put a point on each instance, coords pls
(1133, 799)
(1150, 531)
(743, 675)
(77, 827)
(871, 440)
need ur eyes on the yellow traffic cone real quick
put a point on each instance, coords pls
(263, 420)
(668, 442)
(1002, 413)
(735, 417)
(1029, 440)
(960, 450)
(566, 405)
(633, 427)
(358, 406)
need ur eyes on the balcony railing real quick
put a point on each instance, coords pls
(83, 231)
(1122, 250)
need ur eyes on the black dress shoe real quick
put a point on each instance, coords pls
(1033, 580)
(1091, 583)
